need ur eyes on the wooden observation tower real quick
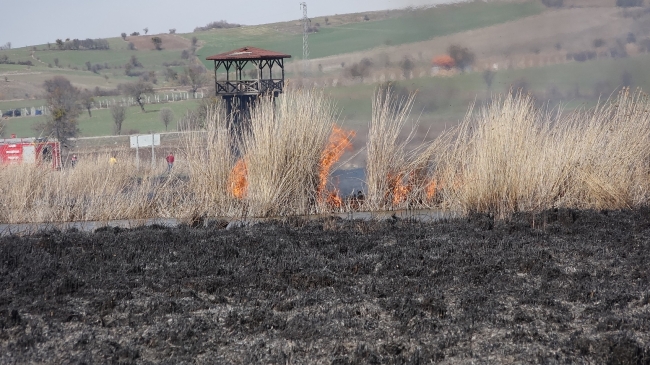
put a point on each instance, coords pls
(242, 89)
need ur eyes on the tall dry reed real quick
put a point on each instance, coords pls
(393, 173)
(209, 155)
(513, 156)
(93, 190)
(282, 152)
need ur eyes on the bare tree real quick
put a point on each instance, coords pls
(195, 77)
(118, 111)
(166, 116)
(137, 90)
(87, 99)
(146, 30)
(63, 101)
(407, 66)
(488, 77)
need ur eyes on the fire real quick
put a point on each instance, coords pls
(238, 179)
(399, 189)
(432, 189)
(340, 140)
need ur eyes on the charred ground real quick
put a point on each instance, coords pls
(560, 287)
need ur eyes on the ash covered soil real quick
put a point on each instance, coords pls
(562, 287)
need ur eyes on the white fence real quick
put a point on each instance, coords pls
(106, 103)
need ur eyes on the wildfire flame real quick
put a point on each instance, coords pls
(399, 189)
(432, 189)
(340, 140)
(238, 179)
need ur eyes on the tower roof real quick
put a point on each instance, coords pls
(248, 53)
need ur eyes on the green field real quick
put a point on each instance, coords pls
(439, 99)
(330, 40)
(417, 26)
(101, 122)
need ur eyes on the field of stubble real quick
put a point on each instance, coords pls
(562, 287)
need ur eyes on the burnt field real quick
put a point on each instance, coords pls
(560, 287)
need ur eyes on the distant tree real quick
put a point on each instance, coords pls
(366, 17)
(170, 74)
(146, 30)
(56, 61)
(172, 31)
(185, 54)
(49, 45)
(89, 65)
(135, 62)
(195, 77)
(137, 90)
(488, 77)
(131, 46)
(462, 56)
(195, 41)
(87, 99)
(361, 69)
(166, 117)
(118, 112)
(157, 42)
(59, 43)
(553, 3)
(135, 34)
(123, 35)
(63, 102)
(407, 66)
(327, 21)
(629, 3)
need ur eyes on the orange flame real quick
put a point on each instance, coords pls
(399, 189)
(432, 189)
(340, 140)
(239, 179)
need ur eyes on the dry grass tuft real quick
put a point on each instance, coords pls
(94, 190)
(512, 156)
(283, 151)
(393, 173)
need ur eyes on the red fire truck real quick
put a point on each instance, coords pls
(41, 151)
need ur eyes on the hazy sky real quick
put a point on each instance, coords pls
(30, 22)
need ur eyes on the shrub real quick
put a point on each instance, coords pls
(221, 24)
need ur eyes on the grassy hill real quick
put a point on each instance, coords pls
(498, 32)
(411, 27)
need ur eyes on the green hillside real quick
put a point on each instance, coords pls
(414, 27)
(330, 40)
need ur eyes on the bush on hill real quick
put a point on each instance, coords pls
(221, 24)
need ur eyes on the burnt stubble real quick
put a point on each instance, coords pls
(561, 287)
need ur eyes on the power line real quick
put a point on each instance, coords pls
(305, 36)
